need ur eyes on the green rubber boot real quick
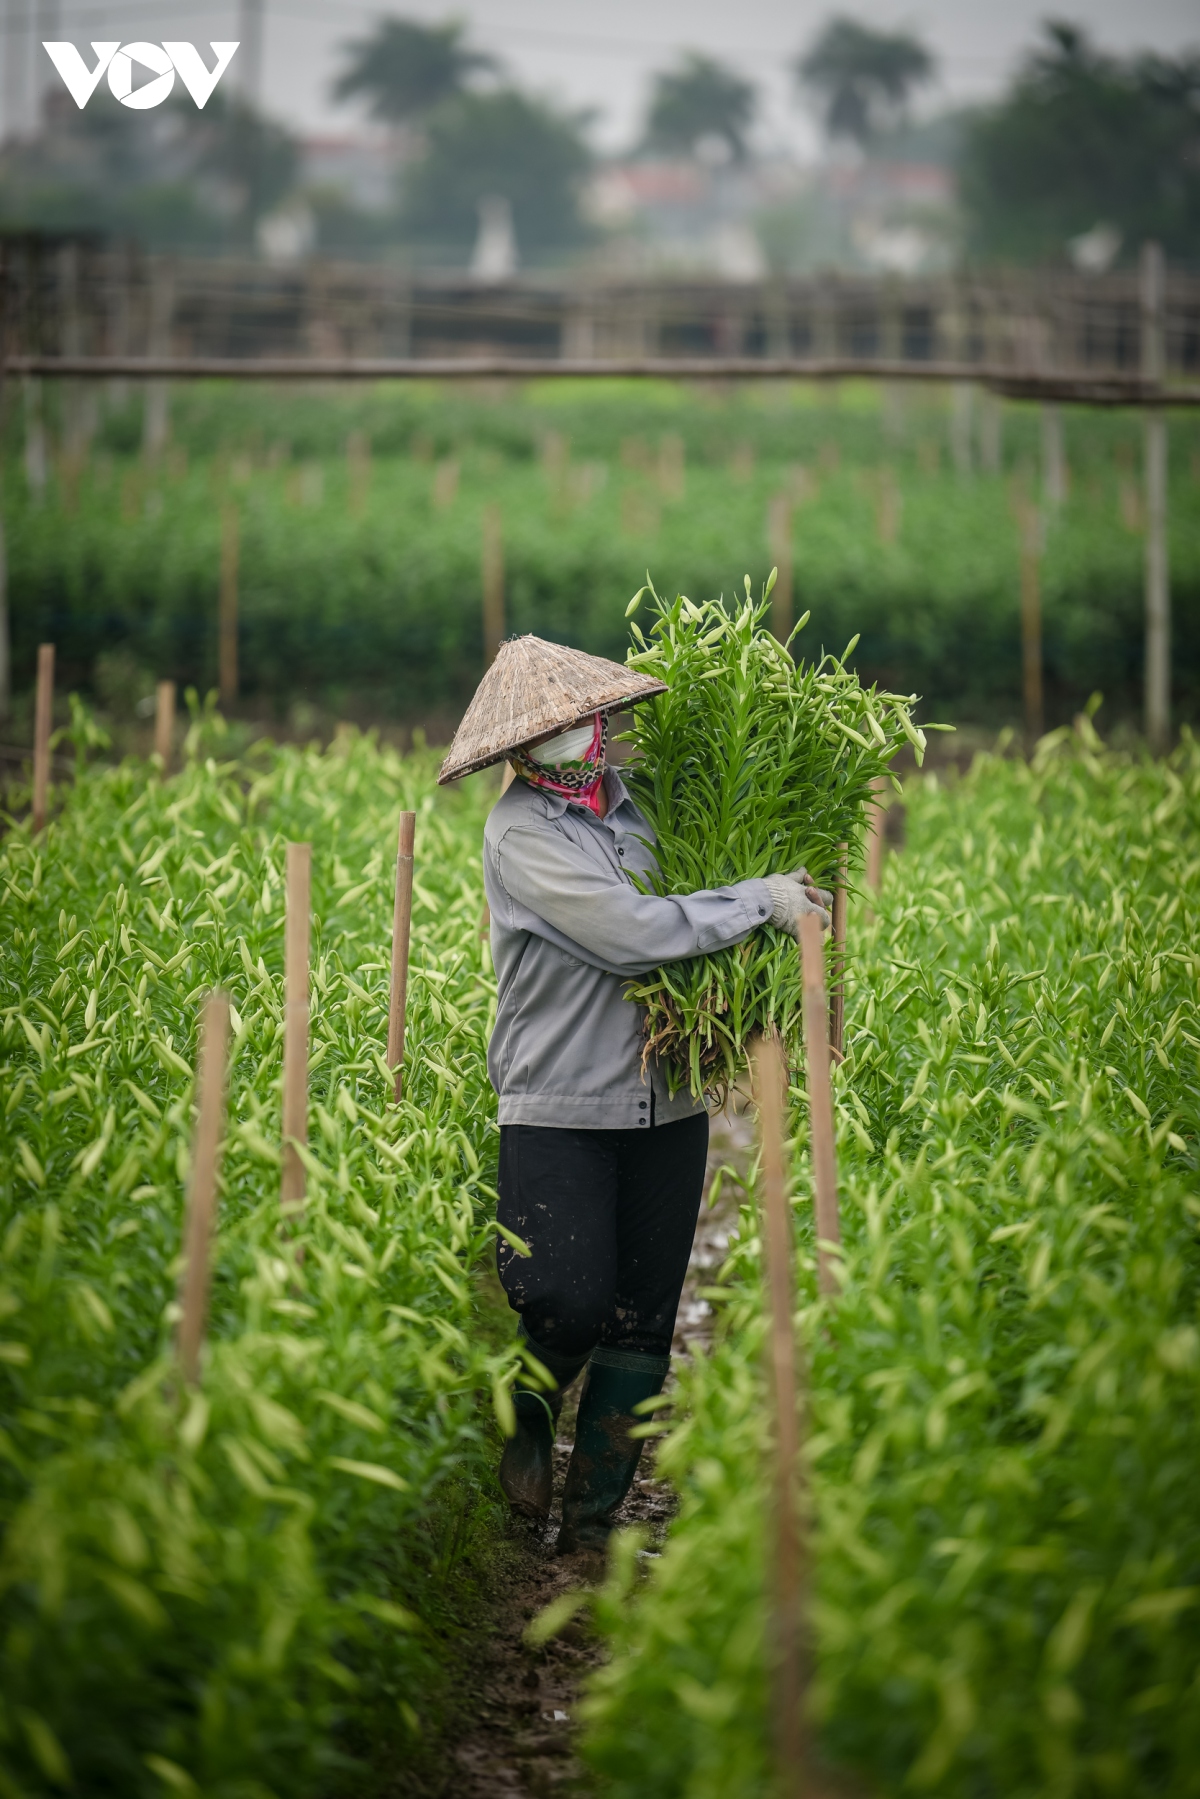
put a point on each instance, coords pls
(527, 1465)
(604, 1460)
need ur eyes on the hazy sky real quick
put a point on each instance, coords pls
(603, 56)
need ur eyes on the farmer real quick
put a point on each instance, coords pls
(601, 1170)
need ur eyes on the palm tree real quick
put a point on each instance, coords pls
(862, 77)
(700, 99)
(405, 69)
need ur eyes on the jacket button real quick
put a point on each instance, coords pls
(620, 852)
(641, 1105)
(641, 1121)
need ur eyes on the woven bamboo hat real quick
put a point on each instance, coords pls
(534, 687)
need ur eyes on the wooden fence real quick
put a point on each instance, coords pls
(1109, 341)
(82, 296)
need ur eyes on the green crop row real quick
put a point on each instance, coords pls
(1002, 1444)
(255, 1588)
(249, 1588)
(717, 425)
(360, 585)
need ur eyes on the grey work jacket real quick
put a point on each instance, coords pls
(569, 930)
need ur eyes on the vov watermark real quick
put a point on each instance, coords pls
(164, 62)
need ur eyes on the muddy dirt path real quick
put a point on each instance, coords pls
(520, 1745)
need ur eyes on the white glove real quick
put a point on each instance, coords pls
(790, 903)
(820, 896)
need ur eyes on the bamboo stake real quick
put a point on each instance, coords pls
(202, 1200)
(227, 615)
(156, 418)
(1054, 459)
(1029, 527)
(888, 505)
(1157, 578)
(5, 621)
(401, 927)
(492, 569)
(358, 469)
(295, 1021)
(164, 722)
(786, 1566)
(42, 719)
(5, 626)
(779, 538)
(876, 840)
(837, 992)
(1158, 592)
(962, 399)
(820, 1101)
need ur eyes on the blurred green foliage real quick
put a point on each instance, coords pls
(173, 178)
(1083, 138)
(360, 586)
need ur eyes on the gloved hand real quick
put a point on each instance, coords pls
(820, 896)
(790, 902)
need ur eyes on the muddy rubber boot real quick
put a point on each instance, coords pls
(604, 1460)
(527, 1465)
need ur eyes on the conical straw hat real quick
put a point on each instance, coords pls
(533, 687)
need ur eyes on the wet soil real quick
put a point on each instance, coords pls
(520, 1712)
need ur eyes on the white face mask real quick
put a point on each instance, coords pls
(568, 746)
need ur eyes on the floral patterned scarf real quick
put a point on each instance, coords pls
(578, 780)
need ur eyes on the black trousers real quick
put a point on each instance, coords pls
(609, 1217)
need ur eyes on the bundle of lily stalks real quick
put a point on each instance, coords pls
(754, 762)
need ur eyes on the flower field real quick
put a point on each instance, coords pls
(1004, 1450)
(360, 522)
(261, 1587)
(235, 1590)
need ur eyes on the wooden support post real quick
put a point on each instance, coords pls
(227, 617)
(119, 312)
(837, 967)
(295, 1021)
(891, 342)
(888, 505)
(672, 478)
(164, 722)
(70, 344)
(991, 434)
(5, 630)
(202, 1199)
(876, 841)
(5, 627)
(401, 928)
(445, 482)
(1054, 460)
(962, 406)
(1158, 579)
(786, 1570)
(42, 719)
(156, 418)
(358, 470)
(779, 539)
(36, 458)
(1030, 530)
(493, 583)
(820, 1101)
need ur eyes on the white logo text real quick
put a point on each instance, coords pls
(164, 61)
